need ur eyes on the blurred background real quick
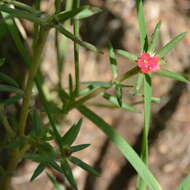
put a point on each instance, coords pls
(170, 130)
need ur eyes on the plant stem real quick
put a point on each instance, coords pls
(17, 154)
(76, 4)
(61, 43)
(32, 72)
(99, 90)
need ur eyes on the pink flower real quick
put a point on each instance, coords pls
(148, 64)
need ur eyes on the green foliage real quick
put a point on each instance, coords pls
(36, 144)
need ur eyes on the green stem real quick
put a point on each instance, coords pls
(17, 154)
(147, 116)
(61, 42)
(76, 5)
(99, 90)
(32, 72)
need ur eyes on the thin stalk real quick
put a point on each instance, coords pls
(11, 133)
(17, 154)
(147, 116)
(32, 72)
(61, 43)
(76, 5)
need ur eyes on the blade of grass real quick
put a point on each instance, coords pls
(83, 165)
(142, 25)
(169, 74)
(8, 80)
(126, 54)
(170, 45)
(185, 185)
(154, 39)
(22, 14)
(113, 61)
(23, 6)
(75, 39)
(123, 146)
(61, 43)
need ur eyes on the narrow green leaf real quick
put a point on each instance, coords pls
(22, 14)
(118, 92)
(170, 45)
(40, 168)
(114, 101)
(71, 134)
(89, 11)
(98, 84)
(126, 54)
(7, 88)
(142, 25)
(70, 85)
(16, 37)
(86, 90)
(169, 74)
(83, 165)
(54, 165)
(113, 61)
(185, 185)
(139, 83)
(12, 100)
(9, 80)
(68, 174)
(56, 185)
(77, 148)
(53, 108)
(76, 40)
(123, 146)
(65, 15)
(155, 38)
(23, 6)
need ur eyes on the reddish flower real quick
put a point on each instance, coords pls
(148, 64)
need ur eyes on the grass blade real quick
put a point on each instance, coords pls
(89, 11)
(77, 148)
(71, 135)
(22, 14)
(142, 25)
(170, 45)
(68, 174)
(169, 74)
(155, 38)
(8, 80)
(83, 165)
(126, 54)
(185, 185)
(7, 88)
(40, 168)
(73, 38)
(113, 61)
(123, 146)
